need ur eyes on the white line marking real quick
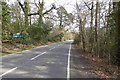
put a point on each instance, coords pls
(8, 71)
(55, 47)
(37, 56)
(58, 45)
(45, 45)
(52, 48)
(68, 66)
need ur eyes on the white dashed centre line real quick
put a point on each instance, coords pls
(37, 56)
(52, 48)
(8, 71)
(55, 47)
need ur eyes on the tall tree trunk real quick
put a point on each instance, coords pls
(91, 30)
(83, 38)
(96, 27)
(96, 22)
(26, 10)
(40, 20)
(40, 12)
(0, 33)
(91, 35)
(82, 32)
(109, 34)
(116, 7)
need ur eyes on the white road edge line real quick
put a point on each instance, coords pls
(8, 71)
(68, 66)
(37, 56)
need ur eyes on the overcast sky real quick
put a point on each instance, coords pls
(68, 4)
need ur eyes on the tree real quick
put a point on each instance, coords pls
(82, 22)
(25, 9)
(5, 19)
(40, 12)
(16, 24)
(96, 27)
(91, 38)
(0, 28)
(65, 18)
(116, 8)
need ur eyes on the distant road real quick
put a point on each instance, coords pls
(50, 61)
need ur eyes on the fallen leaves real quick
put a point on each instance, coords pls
(102, 68)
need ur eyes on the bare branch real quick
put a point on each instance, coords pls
(87, 6)
(21, 5)
(36, 4)
(49, 10)
(33, 14)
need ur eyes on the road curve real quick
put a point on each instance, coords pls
(58, 60)
(50, 61)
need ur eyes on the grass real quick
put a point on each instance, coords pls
(2, 54)
(21, 49)
(17, 50)
(9, 48)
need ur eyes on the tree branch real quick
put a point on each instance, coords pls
(6, 13)
(49, 10)
(33, 14)
(36, 4)
(21, 5)
(87, 6)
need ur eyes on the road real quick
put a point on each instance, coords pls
(50, 61)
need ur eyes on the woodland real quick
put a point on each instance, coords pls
(94, 26)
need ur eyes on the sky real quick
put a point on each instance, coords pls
(68, 4)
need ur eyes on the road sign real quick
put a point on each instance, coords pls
(17, 35)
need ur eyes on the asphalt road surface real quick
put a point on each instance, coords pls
(51, 61)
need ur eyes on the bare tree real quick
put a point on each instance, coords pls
(25, 9)
(82, 22)
(40, 12)
(91, 38)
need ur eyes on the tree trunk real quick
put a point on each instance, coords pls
(25, 10)
(40, 12)
(91, 30)
(96, 27)
(116, 7)
(82, 33)
(96, 22)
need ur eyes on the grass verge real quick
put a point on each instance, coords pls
(2, 54)
(9, 48)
